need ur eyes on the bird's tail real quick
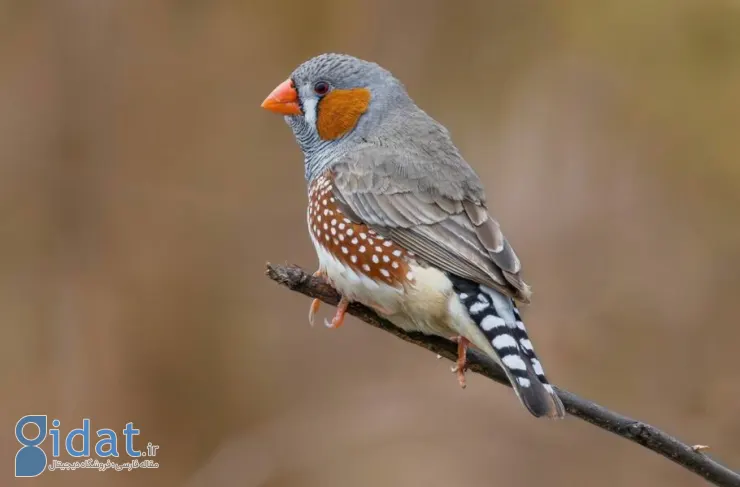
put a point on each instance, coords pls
(498, 318)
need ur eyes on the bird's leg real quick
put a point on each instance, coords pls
(459, 367)
(338, 319)
(315, 304)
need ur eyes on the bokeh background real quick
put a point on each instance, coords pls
(142, 190)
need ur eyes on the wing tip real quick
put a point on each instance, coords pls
(521, 290)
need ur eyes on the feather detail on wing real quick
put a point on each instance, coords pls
(438, 213)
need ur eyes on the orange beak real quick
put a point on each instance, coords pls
(283, 99)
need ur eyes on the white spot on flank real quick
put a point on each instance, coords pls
(362, 249)
(385, 272)
(366, 267)
(378, 248)
(490, 322)
(537, 366)
(394, 265)
(319, 217)
(370, 241)
(353, 258)
(333, 221)
(336, 242)
(354, 240)
(326, 237)
(345, 250)
(324, 202)
(386, 258)
(341, 237)
(326, 212)
(503, 341)
(523, 381)
(350, 232)
(346, 220)
(478, 307)
(326, 227)
(375, 259)
(397, 253)
(410, 276)
(363, 236)
(462, 295)
(331, 199)
(514, 362)
(333, 231)
(341, 226)
(387, 243)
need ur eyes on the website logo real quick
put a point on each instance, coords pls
(31, 461)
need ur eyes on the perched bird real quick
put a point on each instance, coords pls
(399, 219)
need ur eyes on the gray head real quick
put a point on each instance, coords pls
(333, 101)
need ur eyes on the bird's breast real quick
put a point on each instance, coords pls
(359, 262)
(368, 268)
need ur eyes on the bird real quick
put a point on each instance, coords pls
(399, 219)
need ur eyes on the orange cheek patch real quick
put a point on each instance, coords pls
(340, 110)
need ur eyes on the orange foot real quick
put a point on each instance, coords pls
(459, 367)
(315, 304)
(338, 319)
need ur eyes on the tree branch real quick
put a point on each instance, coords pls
(691, 458)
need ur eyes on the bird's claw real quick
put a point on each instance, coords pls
(460, 371)
(338, 319)
(315, 304)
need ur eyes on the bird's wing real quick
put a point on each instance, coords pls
(436, 210)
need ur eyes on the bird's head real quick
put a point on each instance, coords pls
(333, 101)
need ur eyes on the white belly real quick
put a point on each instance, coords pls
(426, 305)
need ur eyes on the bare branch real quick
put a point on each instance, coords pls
(691, 458)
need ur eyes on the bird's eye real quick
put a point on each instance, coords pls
(321, 88)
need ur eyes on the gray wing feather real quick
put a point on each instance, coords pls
(436, 211)
(490, 236)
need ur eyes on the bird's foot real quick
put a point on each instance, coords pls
(315, 304)
(338, 319)
(460, 365)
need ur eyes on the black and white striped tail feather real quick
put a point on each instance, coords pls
(500, 321)
(520, 333)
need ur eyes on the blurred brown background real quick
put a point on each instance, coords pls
(142, 189)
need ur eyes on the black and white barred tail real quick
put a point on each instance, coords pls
(498, 318)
